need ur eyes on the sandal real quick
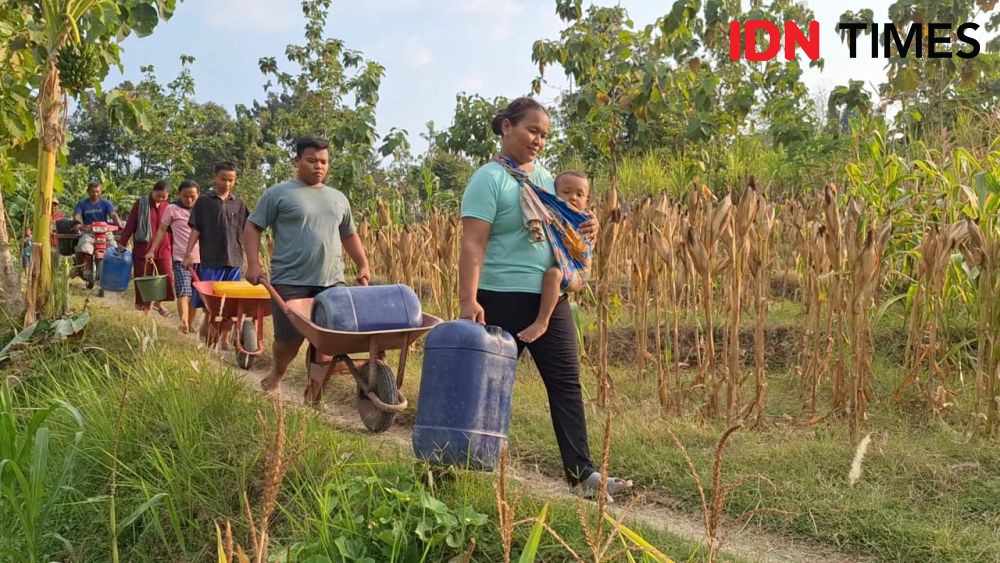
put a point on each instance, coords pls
(591, 486)
(162, 311)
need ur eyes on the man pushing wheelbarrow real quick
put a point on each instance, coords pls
(312, 228)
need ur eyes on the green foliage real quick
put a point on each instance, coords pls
(931, 91)
(845, 101)
(379, 517)
(470, 133)
(43, 332)
(333, 95)
(672, 83)
(601, 54)
(179, 138)
(537, 531)
(80, 37)
(441, 178)
(189, 445)
(28, 491)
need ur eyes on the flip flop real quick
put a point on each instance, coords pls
(162, 311)
(616, 486)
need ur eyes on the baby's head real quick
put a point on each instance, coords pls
(574, 188)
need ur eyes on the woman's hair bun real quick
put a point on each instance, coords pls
(497, 122)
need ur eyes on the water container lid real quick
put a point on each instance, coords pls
(470, 335)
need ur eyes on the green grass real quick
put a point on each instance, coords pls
(189, 446)
(927, 492)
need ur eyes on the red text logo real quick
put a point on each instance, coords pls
(794, 37)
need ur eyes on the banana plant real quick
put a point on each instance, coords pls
(66, 47)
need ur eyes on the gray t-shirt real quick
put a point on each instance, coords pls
(308, 224)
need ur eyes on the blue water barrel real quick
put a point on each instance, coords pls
(463, 414)
(367, 308)
(116, 270)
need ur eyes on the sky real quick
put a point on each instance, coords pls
(431, 49)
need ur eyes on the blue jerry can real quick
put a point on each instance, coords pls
(367, 308)
(463, 413)
(116, 270)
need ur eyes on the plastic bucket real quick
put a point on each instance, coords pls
(152, 288)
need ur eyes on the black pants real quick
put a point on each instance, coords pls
(557, 357)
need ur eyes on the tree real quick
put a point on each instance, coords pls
(600, 53)
(180, 138)
(844, 102)
(17, 131)
(471, 133)
(931, 91)
(333, 95)
(66, 46)
(673, 83)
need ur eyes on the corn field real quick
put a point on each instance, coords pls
(711, 259)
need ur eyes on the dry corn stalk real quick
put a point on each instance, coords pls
(702, 237)
(610, 220)
(642, 265)
(923, 346)
(665, 228)
(985, 253)
(739, 245)
(837, 254)
(759, 263)
(816, 269)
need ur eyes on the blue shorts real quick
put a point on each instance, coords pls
(225, 273)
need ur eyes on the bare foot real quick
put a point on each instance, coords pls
(184, 329)
(269, 384)
(533, 332)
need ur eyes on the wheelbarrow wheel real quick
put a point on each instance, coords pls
(248, 339)
(373, 418)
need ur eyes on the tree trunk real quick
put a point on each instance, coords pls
(50, 110)
(10, 291)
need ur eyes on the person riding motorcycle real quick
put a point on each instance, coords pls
(91, 210)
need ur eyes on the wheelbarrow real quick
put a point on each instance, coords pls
(249, 312)
(379, 396)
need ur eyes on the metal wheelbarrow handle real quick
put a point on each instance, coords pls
(274, 294)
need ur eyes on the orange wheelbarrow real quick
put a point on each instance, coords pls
(249, 312)
(379, 396)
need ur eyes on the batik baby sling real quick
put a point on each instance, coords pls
(547, 216)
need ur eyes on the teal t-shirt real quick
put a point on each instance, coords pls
(512, 263)
(308, 224)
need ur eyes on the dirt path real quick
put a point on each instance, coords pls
(750, 544)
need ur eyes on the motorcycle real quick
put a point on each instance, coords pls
(91, 267)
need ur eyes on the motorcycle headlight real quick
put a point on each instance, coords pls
(100, 230)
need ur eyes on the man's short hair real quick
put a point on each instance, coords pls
(224, 166)
(310, 142)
